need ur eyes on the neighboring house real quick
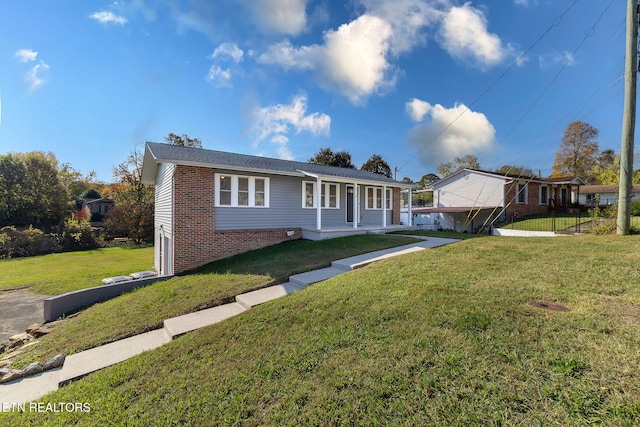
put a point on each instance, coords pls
(98, 206)
(604, 195)
(213, 204)
(469, 200)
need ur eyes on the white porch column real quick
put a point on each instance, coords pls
(355, 205)
(318, 197)
(384, 206)
(409, 209)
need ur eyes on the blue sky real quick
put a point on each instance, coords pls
(415, 81)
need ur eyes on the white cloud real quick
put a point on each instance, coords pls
(558, 58)
(25, 55)
(230, 50)
(417, 109)
(451, 132)
(107, 18)
(289, 57)
(276, 121)
(219, 77)
(281, 142)
(464, 35)
(408, 19)
(352, 61)
(279, 16)
(33, 76)
(356, 59)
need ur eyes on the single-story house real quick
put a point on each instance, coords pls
(469, 200)
(214, 204)
(98, 206)
(604, 195)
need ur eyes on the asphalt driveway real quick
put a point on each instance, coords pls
(19, 309)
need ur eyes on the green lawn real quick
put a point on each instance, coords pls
(56, 274)
(217, 283)
(439, 337)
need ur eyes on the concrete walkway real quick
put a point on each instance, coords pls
(81, 364)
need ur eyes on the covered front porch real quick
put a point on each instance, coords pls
(333, 232)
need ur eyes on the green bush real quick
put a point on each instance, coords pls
(635, 208)
(604, 228)
(29, 242)
(78, 235)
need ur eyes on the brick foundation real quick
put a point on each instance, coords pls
(196, 242)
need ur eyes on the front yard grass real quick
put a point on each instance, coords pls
(57, 274)
(217, 283)
(446, 336)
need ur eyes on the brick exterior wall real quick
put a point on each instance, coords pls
(196, 242)
(532, 206)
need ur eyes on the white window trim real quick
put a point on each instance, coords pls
(327, 198)
(234, 191)
(377, 202)
(526, 194)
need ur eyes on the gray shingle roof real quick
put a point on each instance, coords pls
(165, 153)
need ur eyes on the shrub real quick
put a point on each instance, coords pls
(604, 228)
(78, 235)
(635, 208)
(29, 242)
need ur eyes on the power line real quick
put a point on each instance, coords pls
(556, 22)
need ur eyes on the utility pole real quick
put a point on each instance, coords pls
(628, 119)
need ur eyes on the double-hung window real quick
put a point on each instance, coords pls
(374, 198)
(329, 195)
(242, 191)
(521, 193)
(544, 195)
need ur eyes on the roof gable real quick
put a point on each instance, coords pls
(156, 153)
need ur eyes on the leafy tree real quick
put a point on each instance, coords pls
(376, 164)
(12, 182)
(326, 156)
(578, 153)
(468, 161)
(73, 180)
(132, 214)
(407, 180)
(515, 170)
(183, 141)
(428, 179)
(91, 193)
(608, 159)
(31, 191)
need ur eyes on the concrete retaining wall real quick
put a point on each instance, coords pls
(522, 233)
(58, 305)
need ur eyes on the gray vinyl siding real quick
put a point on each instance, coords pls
(285, 209)
(164, 198)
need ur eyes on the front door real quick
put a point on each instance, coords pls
(349, 203)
